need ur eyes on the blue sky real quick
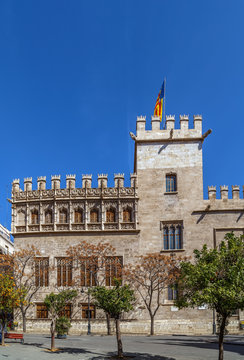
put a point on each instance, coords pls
(75, 74)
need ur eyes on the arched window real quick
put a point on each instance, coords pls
(34, 217)
(172, 237)
(21, 218)
(78, 216)
(48, 217)
(110, 215)
(127, 215)
(94, 216)
(166, 238)
(178, 237)
(171, 184)
(63, 216)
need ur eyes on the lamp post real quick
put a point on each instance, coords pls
(88, 312)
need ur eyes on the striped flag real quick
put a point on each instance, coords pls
(158, 110)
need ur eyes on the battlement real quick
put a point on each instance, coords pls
(170, 132)
(71, 182)
(224, 192)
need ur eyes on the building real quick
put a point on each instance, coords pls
(6, 245)
(163, 210)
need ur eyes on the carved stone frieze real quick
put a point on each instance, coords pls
(78, 192)
(110, 192)
(110, 226)
(127, 191)
(62, 193)
(20, 195)
(110, 204)
(93, 192)
(62, 205)
(33, 228)
(62, 226)
(35, 194)
(128, 226)
(47, 194)
(127, 204)
(94, 226)
(94, 204)
(78, 226)
(20, 228)
(47, 227)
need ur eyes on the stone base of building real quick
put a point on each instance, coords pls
(162, 327)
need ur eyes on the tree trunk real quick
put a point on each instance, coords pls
(152, 325)
(221, 337)
(23, 321)
(52, 336)
(109, 332)
(118, 336)
(2, 332)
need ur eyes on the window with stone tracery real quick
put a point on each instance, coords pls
(94, 216)
(78, 216)
(127, 215)
(42, 271)
(64, 272)
(173, 236)
(21, 216)
(34, 217)
(110, 215)
(48, 217)
(63, 216)
(113, 269)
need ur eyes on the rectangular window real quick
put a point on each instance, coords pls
(172, 292)
(113, 269)
(173, 236)
(64, 272)
(42, 271)
(171, 185)
(41, 311)
(85, 311)
(67, 311)
(89, 271)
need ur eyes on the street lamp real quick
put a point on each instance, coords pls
(88, 314)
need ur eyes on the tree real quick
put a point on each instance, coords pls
(150, 276)
(55, 304)
(115, 301)
(93, 262)
(216, 278)
(10, 299)
(21, 264)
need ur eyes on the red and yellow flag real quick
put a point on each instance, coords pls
(158, 110)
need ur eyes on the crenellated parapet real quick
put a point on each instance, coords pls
(57, 209)
(170, 132)
(224, 193)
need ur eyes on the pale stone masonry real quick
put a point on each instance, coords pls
(166, 210)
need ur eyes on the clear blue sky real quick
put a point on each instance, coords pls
(75, 74)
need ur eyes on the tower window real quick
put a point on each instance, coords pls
(171, 184)
(63, 216)
(172, 237)
(127, 215)
(34, 217)
(78, 217)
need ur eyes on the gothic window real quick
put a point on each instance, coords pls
(42, 271)
(88, 270)
(63, 216)
(127, 215)
(64, 272)
(34, 217)
(172, 236)
(78, 216)
(41, 311)
(48, 217)
(110, 215)
(172, 292)
(94, 216)
(85, 311)
(113, 269)
(171, 184)
(21, 218)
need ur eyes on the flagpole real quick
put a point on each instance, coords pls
(164, 120)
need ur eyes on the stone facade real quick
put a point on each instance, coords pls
(166, 209)
(6, 245)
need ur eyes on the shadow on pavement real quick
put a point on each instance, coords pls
(134, 356)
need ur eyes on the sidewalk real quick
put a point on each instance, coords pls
(136, 347)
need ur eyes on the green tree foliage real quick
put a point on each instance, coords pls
(55, 304)
(114, 301)
(217, 279)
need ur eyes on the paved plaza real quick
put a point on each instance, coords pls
(136, 347)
